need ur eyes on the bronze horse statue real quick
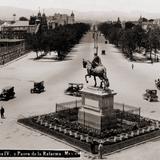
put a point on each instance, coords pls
(99, 71)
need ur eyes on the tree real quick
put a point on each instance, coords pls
(139, 35)
(60, 39)
(129, 25)
(153, 40)
(128, 42)
(23, 19)
(111, 31)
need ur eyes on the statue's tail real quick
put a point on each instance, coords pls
(105, 77)
(105, 73)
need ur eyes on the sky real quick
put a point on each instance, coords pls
(88, 5)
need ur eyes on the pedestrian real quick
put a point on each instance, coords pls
(2, 112)
(93, 147)
(157, 59)
(100, 150)
(132, 66)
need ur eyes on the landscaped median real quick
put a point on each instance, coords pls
(113, 139)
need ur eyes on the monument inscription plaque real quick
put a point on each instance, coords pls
(92, 103)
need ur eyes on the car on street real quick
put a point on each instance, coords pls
(74, 89)
(103, 52)
(157, 83)
(7, 93)
(38, 87)
(150, 95)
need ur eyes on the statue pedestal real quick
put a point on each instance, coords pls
(97, 108)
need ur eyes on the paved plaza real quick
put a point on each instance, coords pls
(129, 84)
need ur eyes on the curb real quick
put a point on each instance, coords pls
(131, 146)
(64, 142)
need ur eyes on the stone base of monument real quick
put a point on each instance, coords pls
(94, 120)
(97, 108)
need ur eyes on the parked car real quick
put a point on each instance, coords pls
(150, 95)
(38, 87)
(74, 89)
(103, 52)
(157, 83)
(7, 93)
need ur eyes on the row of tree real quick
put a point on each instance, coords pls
(61, 39)
(132, 37)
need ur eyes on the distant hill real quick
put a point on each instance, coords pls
(7, 12)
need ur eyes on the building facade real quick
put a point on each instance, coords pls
(40, 20)
(38, 23)
(60, 19)
(16, 30)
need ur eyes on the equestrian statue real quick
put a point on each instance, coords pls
(96, 69)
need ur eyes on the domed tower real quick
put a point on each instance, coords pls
(140, 20)
(72, 14)
(44, 25)
(39, 15)
(118, 20)
(44, 19)
(72, 18)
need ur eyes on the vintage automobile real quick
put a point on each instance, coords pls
(74, 89)
(150, 95)
(38, 87)
(157, 83)
(103, 52)
(7, 93)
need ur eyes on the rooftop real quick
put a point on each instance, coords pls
(11, 40)
(20, 23)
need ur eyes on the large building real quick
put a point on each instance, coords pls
(40, 22)
(157, 22)
(60, 19)
(145, 23)
(18, 29)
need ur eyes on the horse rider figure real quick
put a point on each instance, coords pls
(96, 61)
(96, 69)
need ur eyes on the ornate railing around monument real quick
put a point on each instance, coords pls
(68, 105)
(68, 110)
(117, 106)
(127, 112)
(122, 112)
